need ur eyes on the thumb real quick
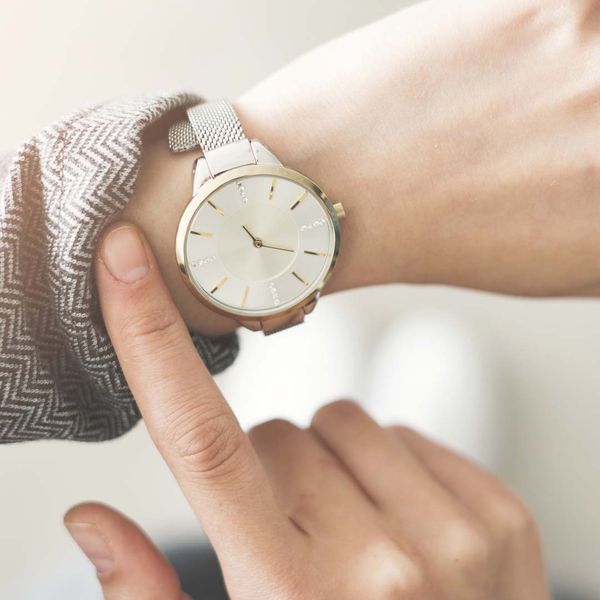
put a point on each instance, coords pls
(128, 564)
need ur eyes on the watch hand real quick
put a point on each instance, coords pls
(248, 232)
(260, 244)
(277, 247)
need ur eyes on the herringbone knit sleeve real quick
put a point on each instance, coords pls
(59, 376)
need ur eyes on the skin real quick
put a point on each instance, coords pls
(344, 509)
(462, 140)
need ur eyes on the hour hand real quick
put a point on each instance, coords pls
(254, 239)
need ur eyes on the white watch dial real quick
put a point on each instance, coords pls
(259, 244)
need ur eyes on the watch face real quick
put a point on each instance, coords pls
(258, 244)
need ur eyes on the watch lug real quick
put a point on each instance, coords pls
(202, 172)
(201, 175)
(229, 156)
(308, 308)
(263, 155)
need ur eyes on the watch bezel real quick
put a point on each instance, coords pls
(211, 186)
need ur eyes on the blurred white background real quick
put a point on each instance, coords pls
(540, 359)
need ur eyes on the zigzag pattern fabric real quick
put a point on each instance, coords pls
(59, 376)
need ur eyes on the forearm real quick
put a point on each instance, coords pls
(462, 141)
(320, 139)
(370, 230)
(322, 115)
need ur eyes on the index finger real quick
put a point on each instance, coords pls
(187, 417)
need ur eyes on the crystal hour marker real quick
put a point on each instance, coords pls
(200, 262)
(202, 233)
(312, 253)
(242, 191)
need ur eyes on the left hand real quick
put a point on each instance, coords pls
(461, 137)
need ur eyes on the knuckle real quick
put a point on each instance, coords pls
(150, 327)
(382, 570)
(466, 545)
(399, 574)
(206, 442)
(407, 582)
(513, 519)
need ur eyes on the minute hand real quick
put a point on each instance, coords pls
(273, 247)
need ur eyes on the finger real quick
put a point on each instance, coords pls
(497, 507)
(188, 418)
(412, 501)
(314, 489)
(128, 565)
(415, 508)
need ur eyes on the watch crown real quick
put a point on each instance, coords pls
(340, 213)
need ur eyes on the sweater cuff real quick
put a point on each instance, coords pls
(59, 372)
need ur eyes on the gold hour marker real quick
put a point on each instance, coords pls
(302, 197)
(299, 278)
(218, 285)
(202, 233)
(314, 253)
(245, 296)
(272, 189)
(217, 208)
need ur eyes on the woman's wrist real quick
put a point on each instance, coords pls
(381, 231)
(463, 147)
(357, 138)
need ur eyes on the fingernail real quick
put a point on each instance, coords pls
(94, 546)
(124, 254)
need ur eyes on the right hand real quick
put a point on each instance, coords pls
(345, 510)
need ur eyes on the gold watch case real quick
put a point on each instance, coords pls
(205, 191)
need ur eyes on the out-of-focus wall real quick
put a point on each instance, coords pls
(56, 56)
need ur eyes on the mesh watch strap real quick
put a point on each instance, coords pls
(215, 129)
(208, 126)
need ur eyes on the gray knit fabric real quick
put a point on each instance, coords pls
(59, 377)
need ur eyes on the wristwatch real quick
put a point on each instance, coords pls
(257, 241)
